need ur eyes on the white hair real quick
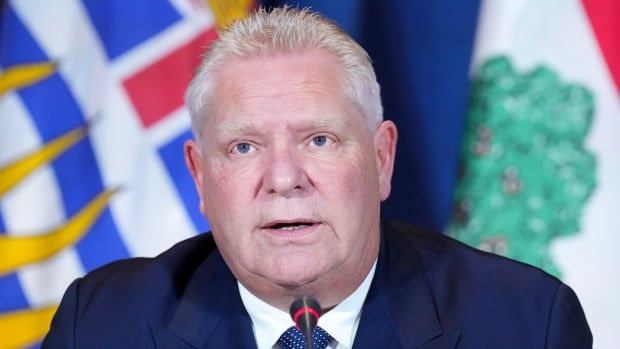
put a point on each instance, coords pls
(286, 30)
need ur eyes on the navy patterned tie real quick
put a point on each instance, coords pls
(294, 339)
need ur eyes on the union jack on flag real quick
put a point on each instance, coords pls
(92, 124)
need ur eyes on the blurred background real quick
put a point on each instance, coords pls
(508, 113)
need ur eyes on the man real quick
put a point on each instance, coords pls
(291, 161)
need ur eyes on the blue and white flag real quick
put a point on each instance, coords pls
(92, 124)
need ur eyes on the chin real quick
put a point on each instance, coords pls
(294, 278)
(291, 284)
(295, 268)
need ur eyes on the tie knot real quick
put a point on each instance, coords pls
(293, 338)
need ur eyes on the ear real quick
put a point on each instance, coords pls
(193, 161)
(385, 150)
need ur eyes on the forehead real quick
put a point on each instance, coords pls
(283, 84)
(303, 68)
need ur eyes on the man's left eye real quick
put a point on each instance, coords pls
(243, 148)
(320, 141)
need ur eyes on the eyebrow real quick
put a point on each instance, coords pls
(250, 128)
(229, 128)
(321, 123)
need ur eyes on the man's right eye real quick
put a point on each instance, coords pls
(242, 148)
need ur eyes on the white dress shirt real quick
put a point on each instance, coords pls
(341, 322)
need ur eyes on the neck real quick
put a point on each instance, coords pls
(329, 290)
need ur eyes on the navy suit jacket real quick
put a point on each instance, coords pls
(429, 291)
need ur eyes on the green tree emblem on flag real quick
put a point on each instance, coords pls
(526, 174)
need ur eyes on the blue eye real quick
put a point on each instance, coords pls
(243, 148)
(319, 141)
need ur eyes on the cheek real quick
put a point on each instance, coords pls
(226, 191)
(228, 179)
(350, 181)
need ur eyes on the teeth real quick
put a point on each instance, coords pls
(292, 227)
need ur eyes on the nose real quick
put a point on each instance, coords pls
(285, 174)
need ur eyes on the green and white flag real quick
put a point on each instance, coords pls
(540, 177)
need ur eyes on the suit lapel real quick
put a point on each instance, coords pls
(164, 339)
(210, 312)
(399, 311)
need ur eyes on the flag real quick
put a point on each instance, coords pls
(541, 172)
(92, 124)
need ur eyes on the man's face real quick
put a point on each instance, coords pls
(289, 175)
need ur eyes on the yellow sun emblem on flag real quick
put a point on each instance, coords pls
(27, 326)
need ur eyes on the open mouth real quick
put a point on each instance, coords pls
(289, 226)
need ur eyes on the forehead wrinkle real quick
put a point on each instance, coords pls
(300, 87)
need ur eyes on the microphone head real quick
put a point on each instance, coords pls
(305, 312)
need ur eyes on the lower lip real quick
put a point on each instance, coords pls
(295, 233)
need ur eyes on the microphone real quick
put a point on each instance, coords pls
(305, 312)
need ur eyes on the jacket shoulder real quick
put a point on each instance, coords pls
(174, 265)
(446, 253)
(118, 300)
(490, 298)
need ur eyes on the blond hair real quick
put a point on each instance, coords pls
(286, 30)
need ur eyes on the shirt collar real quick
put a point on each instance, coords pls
(341, 322)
